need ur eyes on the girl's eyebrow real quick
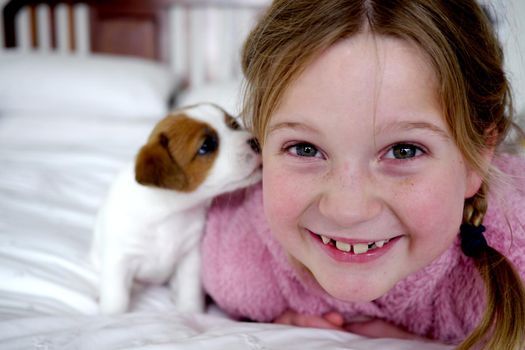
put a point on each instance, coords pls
(402, 126)
(290, 125)
(413, 125)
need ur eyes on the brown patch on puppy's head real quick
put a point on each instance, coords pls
(178, 155)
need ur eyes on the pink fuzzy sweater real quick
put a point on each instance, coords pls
(247, 273)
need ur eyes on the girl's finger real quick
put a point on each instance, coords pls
(334, 318)
(312, 321)
(379, 329)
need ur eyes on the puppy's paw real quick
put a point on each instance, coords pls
(188, 300)
(196, 305)
(114, 297)
(113, 308)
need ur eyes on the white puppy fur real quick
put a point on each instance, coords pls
(150, 231)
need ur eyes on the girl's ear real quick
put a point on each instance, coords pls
(154, 166)
(474, 181)
(474, 178)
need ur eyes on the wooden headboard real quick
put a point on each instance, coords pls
(140, 28)
(128, 27)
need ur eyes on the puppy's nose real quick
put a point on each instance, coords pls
(254, 145)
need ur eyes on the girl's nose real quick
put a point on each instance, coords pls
(350, 198)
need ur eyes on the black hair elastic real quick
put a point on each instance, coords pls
(473, 243)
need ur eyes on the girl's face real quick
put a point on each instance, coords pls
(363, 183)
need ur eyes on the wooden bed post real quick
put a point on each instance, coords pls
(11, 9)
(9, 12)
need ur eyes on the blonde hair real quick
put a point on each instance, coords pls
(475, 94)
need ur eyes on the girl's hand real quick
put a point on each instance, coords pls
(330, 320)
(376, 328)
(372, 328)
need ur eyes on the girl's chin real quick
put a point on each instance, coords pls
(355, 293)
(349, 289)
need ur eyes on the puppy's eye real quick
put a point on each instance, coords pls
(235, 125)
(209, 145)
(232, 123)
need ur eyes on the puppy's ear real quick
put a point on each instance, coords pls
(155, 166)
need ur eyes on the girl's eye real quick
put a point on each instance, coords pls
(404, 151)
(304, 150)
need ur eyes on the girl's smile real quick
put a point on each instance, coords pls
(362, 181)
(353, 250)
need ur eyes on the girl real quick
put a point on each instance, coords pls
(378, 122)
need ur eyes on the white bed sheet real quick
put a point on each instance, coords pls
(54, 172)
(188, 332)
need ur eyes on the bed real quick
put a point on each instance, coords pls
(76, 101)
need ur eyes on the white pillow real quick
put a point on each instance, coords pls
(84, 85)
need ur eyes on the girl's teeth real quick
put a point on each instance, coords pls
(380, 244)
(360, 248)
(345, 247)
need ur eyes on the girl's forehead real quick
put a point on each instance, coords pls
(370, 60)
(366, 77)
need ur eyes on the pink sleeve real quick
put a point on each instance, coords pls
(238, 270)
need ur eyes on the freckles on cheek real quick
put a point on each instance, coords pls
(431, 209)
(284, 194)
(279, 196)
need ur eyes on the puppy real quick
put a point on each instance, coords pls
(151, 224)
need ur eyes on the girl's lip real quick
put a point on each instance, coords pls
(349, 256)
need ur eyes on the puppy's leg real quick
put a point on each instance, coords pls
(115, 284)
(186, 286)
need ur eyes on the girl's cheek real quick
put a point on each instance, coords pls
(429, 208)
(281, 193)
